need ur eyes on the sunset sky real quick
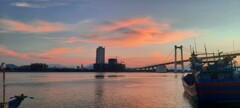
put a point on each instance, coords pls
(138, 32)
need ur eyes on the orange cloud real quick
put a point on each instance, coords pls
(58, 51)
(36, 26)
(135, 32)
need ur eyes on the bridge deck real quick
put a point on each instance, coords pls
(168, 63)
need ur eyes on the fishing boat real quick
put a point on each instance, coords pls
(214, 80)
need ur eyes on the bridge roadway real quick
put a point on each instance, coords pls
(201, 58)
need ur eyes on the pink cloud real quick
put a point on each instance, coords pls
(61, 55)
(70, 40)
(36, 26)
(135, 32)
(11, 53)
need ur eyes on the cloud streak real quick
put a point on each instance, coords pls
(72, 39)
(25, 4)
(41, 3)
(33, 27)
(12, 53)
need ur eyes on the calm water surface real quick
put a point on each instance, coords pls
(83, 90)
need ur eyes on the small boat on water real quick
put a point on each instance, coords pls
(213, 80)
(99, 76)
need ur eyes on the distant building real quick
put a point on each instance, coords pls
(38, 67)
(100, 55)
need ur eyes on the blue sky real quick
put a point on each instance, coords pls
(139, 32)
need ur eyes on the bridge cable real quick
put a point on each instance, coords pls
(168, 56)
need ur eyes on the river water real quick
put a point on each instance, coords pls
(84, 90)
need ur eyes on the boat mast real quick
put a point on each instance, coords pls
(234, 62)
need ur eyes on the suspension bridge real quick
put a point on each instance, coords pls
(161, 67)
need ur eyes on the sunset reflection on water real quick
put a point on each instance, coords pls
(115, 90)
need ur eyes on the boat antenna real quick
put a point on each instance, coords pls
(195, 45)
(206, 52)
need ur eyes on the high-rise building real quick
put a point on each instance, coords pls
(100, 55)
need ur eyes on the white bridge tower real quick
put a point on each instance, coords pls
(176, 48)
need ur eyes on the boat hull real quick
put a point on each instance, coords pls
(190, 90)
(218, 91)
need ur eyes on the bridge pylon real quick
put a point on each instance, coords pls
(176, 48)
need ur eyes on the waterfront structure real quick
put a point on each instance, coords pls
(100, 55)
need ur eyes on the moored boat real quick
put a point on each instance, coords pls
(213, 81)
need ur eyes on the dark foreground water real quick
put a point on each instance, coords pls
(84, 90)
